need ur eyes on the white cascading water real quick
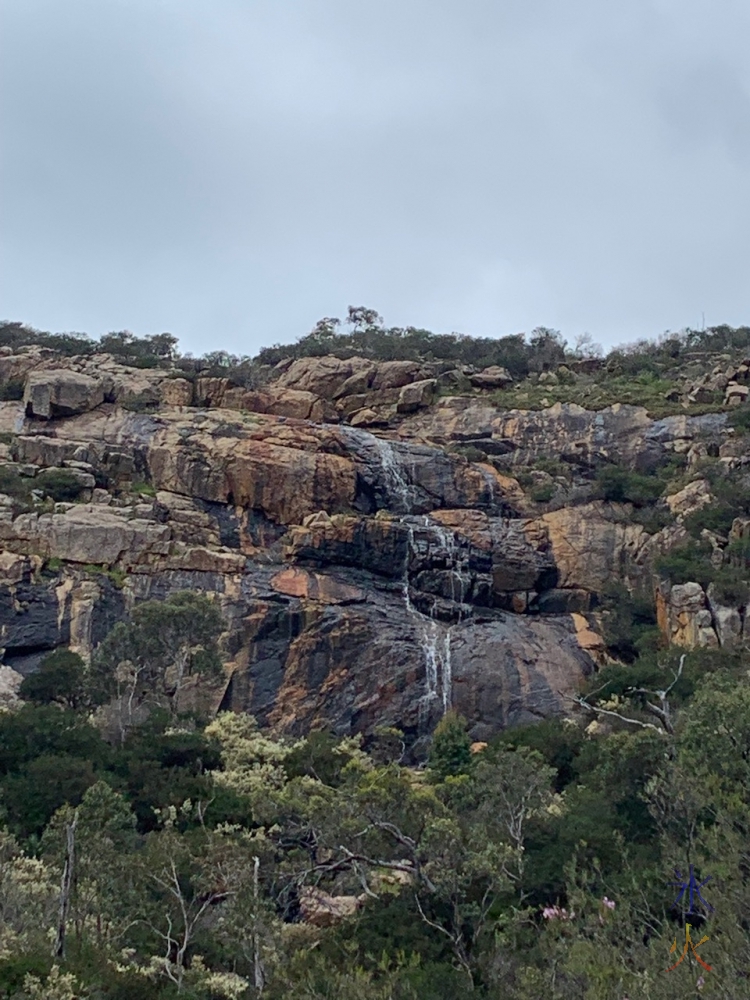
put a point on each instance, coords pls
(394, 476)
(434, 637)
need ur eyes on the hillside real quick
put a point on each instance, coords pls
(523, 546)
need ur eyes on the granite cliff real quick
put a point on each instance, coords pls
(379, 535)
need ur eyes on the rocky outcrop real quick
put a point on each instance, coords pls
(51, 394)
(366, 578)
(692, 497)
(320, 909)
(493, 377)
(622, 434)
(684, 616)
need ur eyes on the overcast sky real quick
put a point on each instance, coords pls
(233, 170)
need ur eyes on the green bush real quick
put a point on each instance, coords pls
(622, 486)
(470, 452)
(14, 485)
(12, 390)
(450, 751)
(739, 418)
(60, 680)
(60, 484)
(687, 563)
(737, 553)
(543, 493)
(653, 519)
(629, 622)
(730, 587)
(715, 517)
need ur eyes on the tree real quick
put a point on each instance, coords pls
(184, 881)
(28, 899)
(546, 349)
(586, 347)
(60, 679)
(100, 901)
(154, 654)
(450, 751)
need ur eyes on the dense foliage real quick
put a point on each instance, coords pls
(206, 859)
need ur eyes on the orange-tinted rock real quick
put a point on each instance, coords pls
(315, 587)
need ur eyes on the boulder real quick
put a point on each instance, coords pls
(394, 374)
(702, 393)
(493, 377)
(176, 392)
(727, 621)
(736, 394)
(365, 417)
(10, 682)
(357, 383)
(315, 587)
(322, 376)
(320, 909)
(89, 534)
(416, 395)
(51, 394)
(683, 615)
(691, 498)
(586, 542)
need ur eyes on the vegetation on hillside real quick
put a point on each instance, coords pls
(150, 851)
(536, 867)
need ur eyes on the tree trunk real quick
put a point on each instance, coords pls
(65, 886)
(258, 977)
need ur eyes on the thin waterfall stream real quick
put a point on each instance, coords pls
(434, 636)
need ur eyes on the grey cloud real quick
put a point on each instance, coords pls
(233, 171)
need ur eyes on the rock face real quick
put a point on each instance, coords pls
(61, 394)
(366, 578)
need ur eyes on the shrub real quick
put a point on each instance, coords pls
(740, 419)
(653, 519)
(12, 390)
(628, 621)
(60, 679)
(450, 752)
(622, 486)
(543, 493)
(716, 517)
(18, 487)
(60, 484)
(730, 587)
(686, 564)
(470, 452)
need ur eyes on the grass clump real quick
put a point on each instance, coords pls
(117, 576)
(144, 489)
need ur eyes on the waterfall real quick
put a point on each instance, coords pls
(393, 475)
(434, 637)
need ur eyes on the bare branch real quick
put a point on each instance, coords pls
(605, 711)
